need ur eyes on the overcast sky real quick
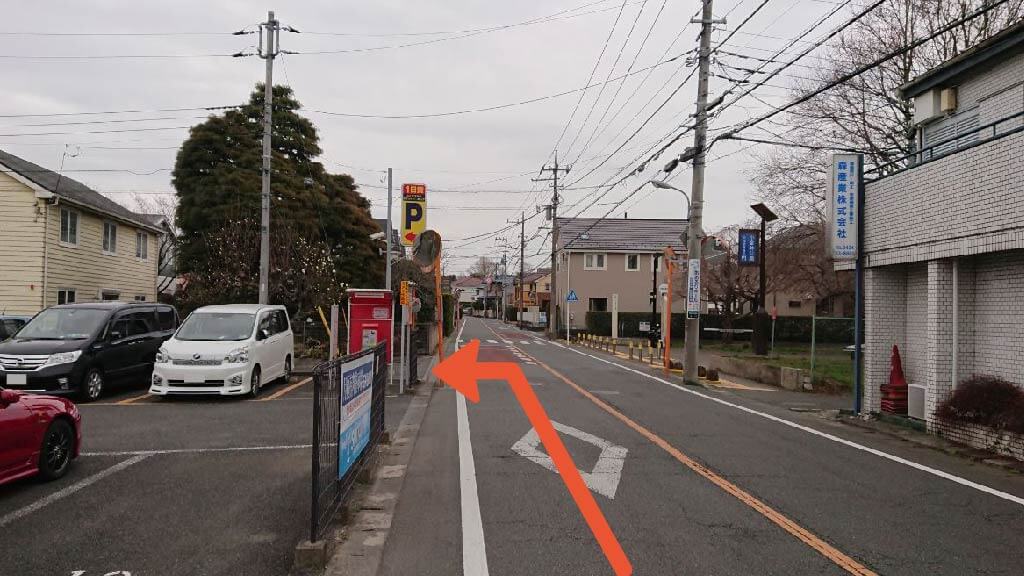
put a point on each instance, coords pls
(498, 150)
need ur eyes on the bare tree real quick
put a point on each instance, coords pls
(162, 207)
(484, 267)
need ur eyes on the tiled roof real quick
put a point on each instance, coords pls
(73, 190)
(620, 234)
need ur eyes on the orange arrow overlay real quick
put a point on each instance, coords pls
(461, 371)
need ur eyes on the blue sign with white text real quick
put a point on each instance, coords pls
(571, 297)
(354, 427)
(749, 251)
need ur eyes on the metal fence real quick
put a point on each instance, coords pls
(331, 485)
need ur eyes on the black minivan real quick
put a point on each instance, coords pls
(81, 348)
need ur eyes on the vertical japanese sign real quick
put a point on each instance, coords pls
(749, 251)
(844, 212)
(414, 212)
(693, 288)
(356, 392)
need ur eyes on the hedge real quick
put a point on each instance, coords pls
(787, 328)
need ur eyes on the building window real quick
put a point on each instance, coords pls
(598, 305)
(140, 297)
(656, 263)
(794, 303)
(66, 296)
(141, 245)
(593, 262)
(110, 237)
(547, 287)
(107, 295)
(632, 262)
(68, 227)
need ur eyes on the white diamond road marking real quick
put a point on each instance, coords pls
(604, 479)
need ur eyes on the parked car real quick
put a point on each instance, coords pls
(82, 348)
(41, 435)
(9, 325)
(226, 350)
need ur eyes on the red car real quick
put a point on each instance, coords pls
(38, 434)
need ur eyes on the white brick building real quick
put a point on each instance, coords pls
(944, 239)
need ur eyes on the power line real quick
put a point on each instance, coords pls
(495, 107)
(139, 111)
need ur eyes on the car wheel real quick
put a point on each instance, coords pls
(255, 383)
(55, 456)
(287, 369)
(92, 386)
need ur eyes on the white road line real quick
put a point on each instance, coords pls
(492, 341)
(474, 556)
(198, 450)
(524, 341)
(64, 492)
(827, 436)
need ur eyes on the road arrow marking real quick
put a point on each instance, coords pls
(604, 479)
(462, 371)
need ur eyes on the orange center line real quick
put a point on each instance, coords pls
(133, 399)
(801, 533)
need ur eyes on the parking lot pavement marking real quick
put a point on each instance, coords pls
(65, 492)
(198, 450)
(285, 390)
(134, 399)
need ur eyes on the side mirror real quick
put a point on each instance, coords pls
(8, 397)
(263, 334)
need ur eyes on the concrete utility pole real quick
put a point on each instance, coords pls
(553, 304)
(267, 51)
(700, 137)
(387, 234)
(522, 258)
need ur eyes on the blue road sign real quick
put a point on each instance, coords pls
(571, 297)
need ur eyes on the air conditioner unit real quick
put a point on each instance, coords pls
(927, 107)
(947, 101)
(915, 401)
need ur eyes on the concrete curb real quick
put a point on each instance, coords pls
(360, 543)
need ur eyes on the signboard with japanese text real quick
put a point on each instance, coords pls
(693, 288)
(844, 208)
(749, 251)
(414, 212)
(354, 429)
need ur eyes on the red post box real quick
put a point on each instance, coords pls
(369, 319)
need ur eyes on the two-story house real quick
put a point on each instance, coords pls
(943, 236)
(61, 241)
(537, 290)
(601, 259)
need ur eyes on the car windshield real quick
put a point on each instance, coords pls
(64, 324)
(216, 326)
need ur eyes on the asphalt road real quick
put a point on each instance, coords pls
(711, 482)
(203, 486)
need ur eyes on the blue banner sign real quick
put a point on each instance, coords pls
(356, 395)
(749, 252)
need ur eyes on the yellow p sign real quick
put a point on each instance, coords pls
(414, 220)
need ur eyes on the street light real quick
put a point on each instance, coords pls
(691, 342)
(762, 322)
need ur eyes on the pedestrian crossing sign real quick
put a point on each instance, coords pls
(571, 297)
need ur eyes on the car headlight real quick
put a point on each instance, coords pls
(237, 356)
(162, 357)
(63, 357)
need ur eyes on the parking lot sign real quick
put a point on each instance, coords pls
(414, 212)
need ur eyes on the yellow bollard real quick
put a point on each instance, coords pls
(630, 349)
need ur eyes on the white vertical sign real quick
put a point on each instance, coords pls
(693, 288)
(615, 316)
(844, 209)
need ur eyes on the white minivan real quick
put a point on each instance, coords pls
(225, 350)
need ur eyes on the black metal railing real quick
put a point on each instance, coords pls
(957, 143)
(331, 486)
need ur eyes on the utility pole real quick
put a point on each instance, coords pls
(387, 234)
(267, 51)
(522, 257)
(694, 230)
(553, 304)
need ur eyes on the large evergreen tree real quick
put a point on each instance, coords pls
(217, 177)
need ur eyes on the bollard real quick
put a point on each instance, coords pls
(615, 346)
(630, 349)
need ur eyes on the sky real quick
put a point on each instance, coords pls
(388, 58)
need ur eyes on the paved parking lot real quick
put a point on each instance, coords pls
(190, 486)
